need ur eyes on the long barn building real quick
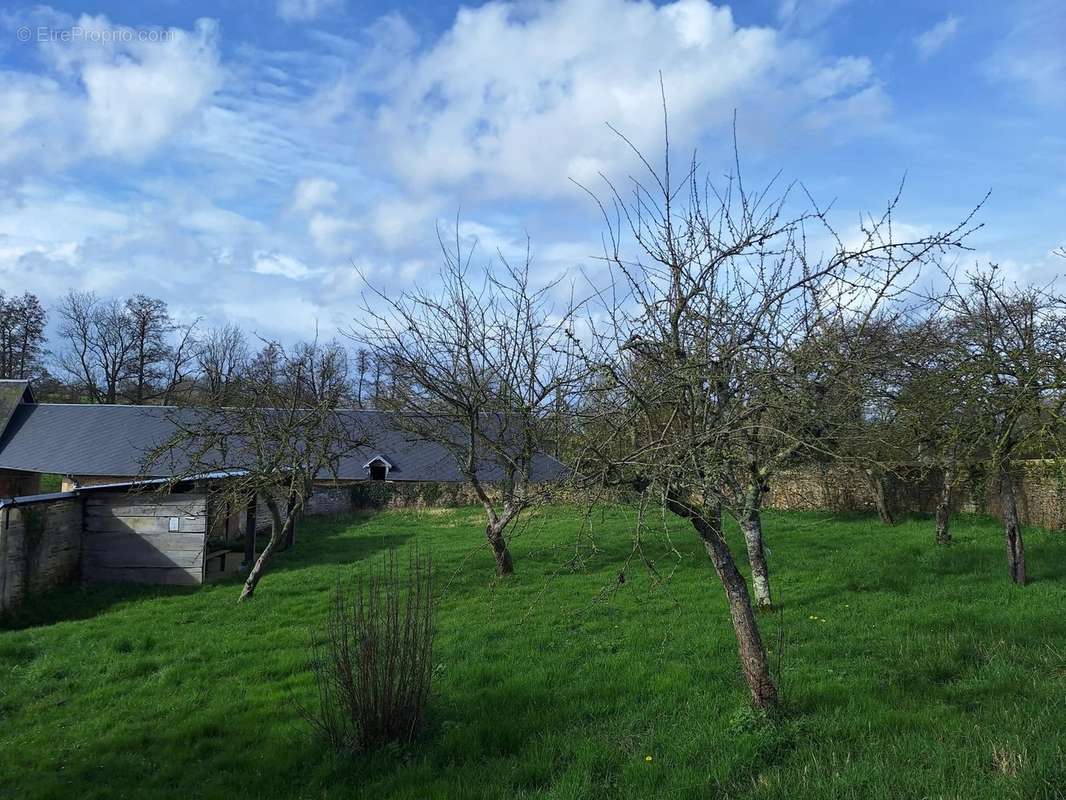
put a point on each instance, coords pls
(109, 521)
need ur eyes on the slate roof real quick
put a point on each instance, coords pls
(113, 440)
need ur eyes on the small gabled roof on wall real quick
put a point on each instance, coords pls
(13, 393)
(380, 459)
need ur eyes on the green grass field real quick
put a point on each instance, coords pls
(907, 671)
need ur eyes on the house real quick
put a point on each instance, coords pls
(112, 522)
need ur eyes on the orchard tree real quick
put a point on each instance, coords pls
(1008, 350)
(478, 365)
(275, 434)
(713, 290)
(935, 406)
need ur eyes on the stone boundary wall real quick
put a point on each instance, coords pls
(1041, 491)
(40, 548)
(329, 500)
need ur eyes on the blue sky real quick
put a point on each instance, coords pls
(249, 162)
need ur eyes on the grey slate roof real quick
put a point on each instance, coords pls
(103, 440)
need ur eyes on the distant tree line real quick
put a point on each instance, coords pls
(131, 350)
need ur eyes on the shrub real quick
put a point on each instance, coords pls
(372, 662)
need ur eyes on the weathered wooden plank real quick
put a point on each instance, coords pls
(103, 512)
(145, 508)
(132, 556)
(163, 576)
(101, 524)
(164, 542)
(123, 499)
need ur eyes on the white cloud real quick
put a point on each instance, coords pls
(807, 14)
(333, 235)
(280, 264)
(313, 193)
(1031, 57)
(397, 222)
(141, 95)
(112, 92)
(842, 116)
(37, 125)
(303, 10)
(514, 98)
(931, 41)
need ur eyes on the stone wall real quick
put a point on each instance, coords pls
(40, 548)
(1041, 491)
(330, 500)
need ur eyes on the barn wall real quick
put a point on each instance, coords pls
(16, 483)
(330, 500)
(137, 538)
(40, 548)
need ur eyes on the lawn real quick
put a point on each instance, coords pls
(907, 671)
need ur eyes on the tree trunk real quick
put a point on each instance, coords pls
(279, 532)
(1012, 529)
(504, 565)
(876, 481)
(750, 647)
(943, 507)
(751, 524)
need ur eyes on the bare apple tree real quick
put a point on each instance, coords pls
(478, 365)
(714, 293)
(1007, 348)
(279, 432)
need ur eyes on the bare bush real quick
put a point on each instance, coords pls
(373, 662)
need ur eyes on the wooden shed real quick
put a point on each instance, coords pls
(135, 534)
(145, 538)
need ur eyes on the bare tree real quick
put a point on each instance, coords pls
(1008, 350)
(222, 358)
(22, 340)
(274, 438)
(122, 350)
(934, 407)
(99, 344)
(481, 363)
(362, 369)
(714, 290)
(149, 324)
(327, 372)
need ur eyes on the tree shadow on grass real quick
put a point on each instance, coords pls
(69, 603)
(336, 540)
(979, 554)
